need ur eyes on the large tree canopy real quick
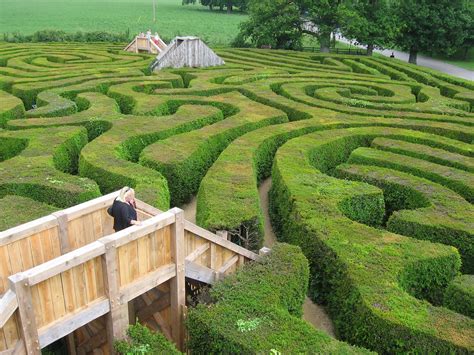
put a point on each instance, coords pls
(273, 22)
(326, 16)
(432, 26)
(370, 22)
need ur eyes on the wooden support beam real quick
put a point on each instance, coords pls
(177, 284)
(29, 331)
(223, 234)
(203, 233)
(8, 306)
(198, 252)
(158, 318)
(146, 283)
(228, 264)
(156, 306)
(63, 231)
(18, 349)
(117, 320)
(71, 344)
(128, 235)
(73, 321)
(200, 273)
(63, 263)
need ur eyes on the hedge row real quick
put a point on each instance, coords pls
(115, 168)
(434, 155)
(417, 208)
(228, 198)
(370, 278)
(459, 295)
(460, 181)
(434, 107)
(185, 159)
(141, 340)
(258, 310)
(10, 107)
(41, 167)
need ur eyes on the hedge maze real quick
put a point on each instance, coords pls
(371, 162)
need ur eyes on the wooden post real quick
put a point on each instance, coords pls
(177, 284)
(224, 234)
(29, 331)
(62, 219)
(118, 317)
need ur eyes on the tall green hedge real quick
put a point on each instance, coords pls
(258, 310)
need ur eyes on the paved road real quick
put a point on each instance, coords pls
(427, 62)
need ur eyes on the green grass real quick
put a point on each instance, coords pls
(172, 18)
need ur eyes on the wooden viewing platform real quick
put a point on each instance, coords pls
(69, 275)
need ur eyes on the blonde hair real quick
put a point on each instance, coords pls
(124, 193)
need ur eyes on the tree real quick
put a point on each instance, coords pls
(326, 16)
(277, 23)
(370, 22)
(431, 26)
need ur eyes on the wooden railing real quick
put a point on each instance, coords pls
(47, 298)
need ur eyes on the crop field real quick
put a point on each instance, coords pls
(371, 162)
(172, 19)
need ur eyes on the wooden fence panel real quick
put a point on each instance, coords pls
(144, 255)
(89, 227)
(27, 252)
(67, 292)
(9, 333)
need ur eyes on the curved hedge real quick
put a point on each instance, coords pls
(103, 120)
(459, 295)
(258, 310)
(368, 277)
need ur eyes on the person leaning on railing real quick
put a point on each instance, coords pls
(124, 209)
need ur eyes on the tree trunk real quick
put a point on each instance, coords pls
(324, 42)
(229, 6)
(210, 7)
(413, 55)
(370, 49)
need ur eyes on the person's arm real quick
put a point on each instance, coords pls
(132, 216)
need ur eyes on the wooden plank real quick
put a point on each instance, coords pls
(8, 305)
(178, 292)
(150, 225)
(146, 283)
(159, 319)
(19, 284)
(203, 233)
(157, 305)
(200, 273)
(198, 252)
(228, 264)
(25, 230)
(64, 262)
(117, 319)
(62, 219)
(90, 206)
(71, 322)
(19, 349)
(148, 209)
(213, 256)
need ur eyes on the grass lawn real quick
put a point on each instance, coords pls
(28, 16)
(467, 63)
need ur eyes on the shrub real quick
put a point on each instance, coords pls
(459, 295)
(258, 310)
(142, 340)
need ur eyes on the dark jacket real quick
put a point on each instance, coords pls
(123, 214)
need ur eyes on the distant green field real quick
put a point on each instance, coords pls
(28, 16)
